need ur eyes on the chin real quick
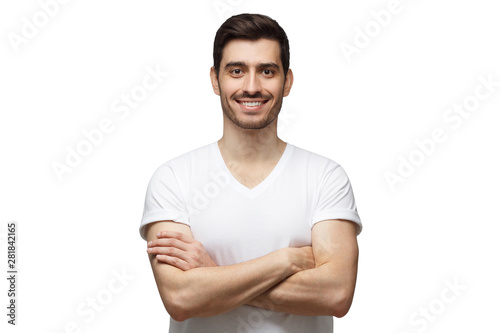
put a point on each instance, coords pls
(254, 123)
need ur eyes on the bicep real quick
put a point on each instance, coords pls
(154, 228)
(334, 242)
(162, 271)
(335, 250)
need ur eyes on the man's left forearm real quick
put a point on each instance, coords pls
(321, 291)
(327, 289)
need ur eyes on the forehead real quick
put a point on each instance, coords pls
(251, 52)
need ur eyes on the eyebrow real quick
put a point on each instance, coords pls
(235, 64)
(243, 64)
(270, 64)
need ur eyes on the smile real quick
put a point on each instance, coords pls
(252, 103)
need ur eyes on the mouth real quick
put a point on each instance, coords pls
(252, 105)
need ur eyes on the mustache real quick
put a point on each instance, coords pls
(250, 96)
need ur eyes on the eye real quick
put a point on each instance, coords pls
(268, 72)
(237, 71)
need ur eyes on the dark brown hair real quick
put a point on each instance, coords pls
(251, 27)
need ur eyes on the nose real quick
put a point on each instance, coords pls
(252, 84)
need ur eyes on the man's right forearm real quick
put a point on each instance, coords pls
(210, 291)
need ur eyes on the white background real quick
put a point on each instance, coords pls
(439, 225)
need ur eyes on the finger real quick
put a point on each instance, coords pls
(172, 252)
(169, 242)
(173, 261)
(175, 235)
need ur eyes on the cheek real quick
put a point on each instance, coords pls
(274, 88)
(228, 89)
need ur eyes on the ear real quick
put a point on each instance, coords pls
(215, 81)
(288, 83)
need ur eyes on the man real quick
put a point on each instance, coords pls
(250, 233)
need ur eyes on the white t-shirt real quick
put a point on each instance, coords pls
(236, 224)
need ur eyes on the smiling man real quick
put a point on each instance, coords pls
(257, 103)
(250, 233)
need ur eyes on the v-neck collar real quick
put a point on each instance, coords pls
(253, 192)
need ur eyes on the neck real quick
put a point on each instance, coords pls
(251, 146)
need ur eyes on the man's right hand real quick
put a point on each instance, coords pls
(179, 250)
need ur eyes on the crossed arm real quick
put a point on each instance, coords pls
(317, 280)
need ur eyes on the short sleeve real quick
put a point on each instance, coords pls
(164, 200)
(336, 198)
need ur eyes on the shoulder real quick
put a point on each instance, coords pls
(181, 166)
(313, 161)
(190, 158)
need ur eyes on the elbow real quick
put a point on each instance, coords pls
(177, 306)
(340, 303)
(177, 314)
(340, 311)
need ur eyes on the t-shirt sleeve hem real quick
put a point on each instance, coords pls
(162, 215)
(339, 214)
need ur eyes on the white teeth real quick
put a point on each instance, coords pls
(251, 103)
